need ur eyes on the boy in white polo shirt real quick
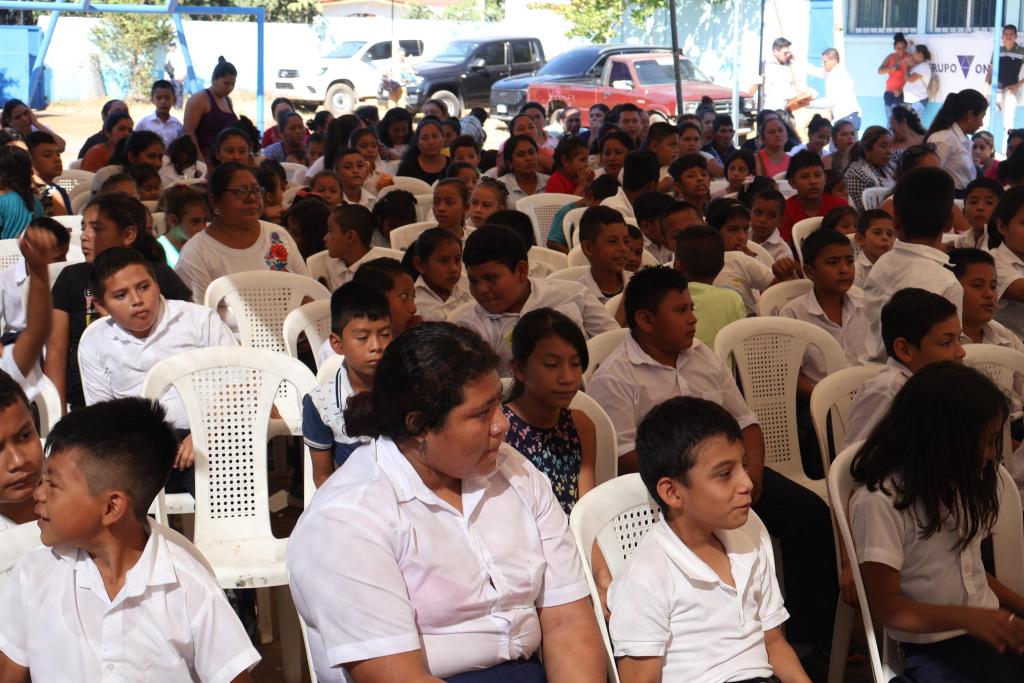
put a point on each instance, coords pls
(605, 242)
(498, 270)
(923, 203)
(698, 600)
(660, 360)
(115, 596)
(142, 328)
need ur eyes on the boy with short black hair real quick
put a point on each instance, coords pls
(647, 209)
(143, 603)
(875, 236)
(21, 457)
(700, 256)
(690, 173)
(360, 331)
(675, 615)
(923, 204)
(160, 121)
(348, 241)
(635, 259)
(980, 198)
(142, 328)
(678, 216)
(806, 175)
(498, 269)
(640, 173)
(351, 169)
(599, 189)
(747, 269)
(918, 328)
(47, 165)
(766, 209)
(663, 140)
(605, 242)
(465, 148)
(119, 182)
(976, 271)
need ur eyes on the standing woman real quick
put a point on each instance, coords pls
(870, 164)
(772, 159)
(466, 570)
(919, 78)
(17, 115)
(424, 159)
(961, 116)
(209, 112)
(895, 68)
(522, 159)
(117, 127)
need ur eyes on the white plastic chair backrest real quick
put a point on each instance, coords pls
(412, 185)
(15, 543)
(78, 202)
(47, 403)
(76, 165)
(555, 259)
(612, 305)
(227, 397)
(72, 179)
(775, 297)
(289, 195)
(717, 186)
(801, 229)
(403, 237)
(296, 172)
(571, 226)
(872, 197)
(424, 206)
(159, 223)
(785, 188)
(10, 252)
(72, 222)
(541, 208)
(1001, 365)
(768, 353)
(329, 368)
(831, 401)
(571, 273)
(599, 347)
(261, 300)
(606, 466)
(576, 257)
(150, 204)
(317, 267)
(313, 319)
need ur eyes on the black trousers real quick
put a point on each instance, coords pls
(964, 659)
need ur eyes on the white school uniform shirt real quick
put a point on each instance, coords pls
(365, 198)
(620, 202)
(873, 400)
(861, 269)
(954, 149)
(515, 193)
(338, 272)
(313, 169)
(570, 298)
(850, 334)
(431, 308)
(169, 130)
(588, 281)
(745, 275)
(29, 383)
(1009, 268)
(170, 623)
(12, 303)
(629, 383)
(906, 265)
(114, 362)
(776, 246)
(930, 570)
(462, 586)
(971, 240)
(168, 176)
(661, 254)
(667, 602)
(996, 334)
(760, 253)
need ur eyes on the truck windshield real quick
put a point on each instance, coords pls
(571, 63)
(347, 49)
(660, 72)
(455, 52)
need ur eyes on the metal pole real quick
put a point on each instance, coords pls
(760, 60)
(37, 67)
(736, 72)
(997, 121)
(190, 72)
(675, 57)
(259, 67)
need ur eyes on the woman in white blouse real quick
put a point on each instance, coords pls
(961, 115)
(437, 551)
(521, 155)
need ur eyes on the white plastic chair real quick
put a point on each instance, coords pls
(76, 165)
(576, 257)
(571, 226)
(14, 543)
(72, 222)
(317, 267)
(555, 259)
(10, 252)
(78, 202)
(228, 398)
(1005, 367)
(150, 204)
(541, 208)
(73, 181)
(768, 353)
(288, 198)
(612, 305)
(872, 197)
(606, 466)
(47, 403)
(775, 297)
(785, 188)
(801, 229)
(571, 273)
(424, 206)
(312, 319)
(412, 185)
(600, 347)
(329, 368)
(159, 223)
(403, 237)
(296, 172)
(616, 516)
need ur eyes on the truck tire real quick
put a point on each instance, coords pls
(340, 99)
(451, 100)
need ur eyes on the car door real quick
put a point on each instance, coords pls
(617, 72)
(488, 63)
(524, 57)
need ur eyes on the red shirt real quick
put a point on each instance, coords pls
(559, 182)
(795, 213)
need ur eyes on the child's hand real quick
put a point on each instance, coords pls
(786, 269)
(185, 456)
(999, 628)
(383, 180)
(847, 588)
(38, 246)
(666, 184)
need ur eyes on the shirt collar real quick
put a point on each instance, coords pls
(774, 238)
(899, 367)
(814, 306)
(934, 254)
(163, 321)
(342, 385)
(537, 288)
(738, 544)
(958, 132)
(637, 356)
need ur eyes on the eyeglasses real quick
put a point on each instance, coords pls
(245, 192)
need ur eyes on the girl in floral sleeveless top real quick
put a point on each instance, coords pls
(549, 355)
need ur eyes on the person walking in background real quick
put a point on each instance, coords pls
(895, 68)
(919, 80)
(840, 96)
(1011, 57)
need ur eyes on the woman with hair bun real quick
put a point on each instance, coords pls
(961, 116)
(209, 112)
(894, 68)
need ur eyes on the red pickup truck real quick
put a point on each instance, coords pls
(647, 80)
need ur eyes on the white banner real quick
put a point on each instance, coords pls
(959, 60)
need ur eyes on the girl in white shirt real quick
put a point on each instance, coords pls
(961, 115)
(437, 257)
(928, 497)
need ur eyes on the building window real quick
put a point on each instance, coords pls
(949, 16)
(883, 16)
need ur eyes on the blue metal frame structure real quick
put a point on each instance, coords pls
(171, 7)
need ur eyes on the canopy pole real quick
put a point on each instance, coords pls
(675, 57)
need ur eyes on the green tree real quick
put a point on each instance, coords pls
(599, 20)
(129, 43)
(417, 10)
(465, 10)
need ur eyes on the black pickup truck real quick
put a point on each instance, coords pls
(509, 94)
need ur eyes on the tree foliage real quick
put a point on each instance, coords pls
(601, 21)
(465, 10)
(128, 44)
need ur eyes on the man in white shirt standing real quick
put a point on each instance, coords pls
(783, 88)
(840, 95)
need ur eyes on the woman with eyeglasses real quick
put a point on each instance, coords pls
(236, 240)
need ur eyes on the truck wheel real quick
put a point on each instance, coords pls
(452, 101)
(341, 99)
